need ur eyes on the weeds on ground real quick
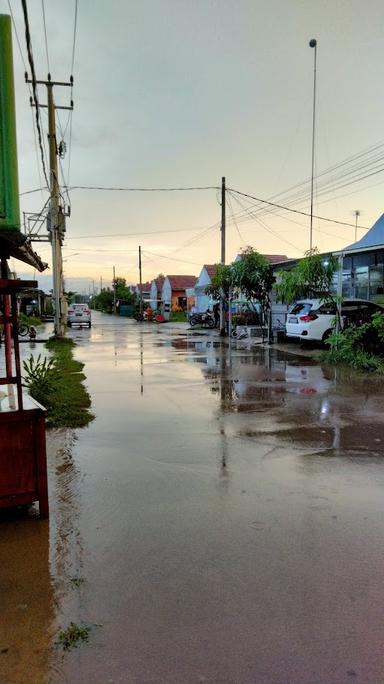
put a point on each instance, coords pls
(57, 384)
(178, 317)
(359, 347)
(30, 320)
(73, 636)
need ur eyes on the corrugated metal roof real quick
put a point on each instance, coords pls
(373, 238)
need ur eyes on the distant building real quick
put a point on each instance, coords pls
(155, 292)
(202, 300)
(145, 289)
(174, 291)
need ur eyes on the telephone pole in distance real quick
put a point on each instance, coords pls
(56, 225)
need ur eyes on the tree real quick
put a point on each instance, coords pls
(252, 275)
(104, 300)
(312, 277)
(221, 282)
(123, 293)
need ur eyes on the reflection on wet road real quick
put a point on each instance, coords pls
(220, 521)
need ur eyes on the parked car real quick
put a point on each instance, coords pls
(79, 314)
(312, 319)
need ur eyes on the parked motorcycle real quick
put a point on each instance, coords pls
(205, 319)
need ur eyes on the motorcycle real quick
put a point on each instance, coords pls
(205, 319)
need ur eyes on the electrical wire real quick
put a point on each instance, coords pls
(40, 189)
(45, 35)
(294, 211)
(233, 220)
(34, 85)
(162, 256)
(122, 189)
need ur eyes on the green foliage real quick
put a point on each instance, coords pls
(178, 317)
(378, 325)
(312, 277)
(221, 282)
(40, 376)
(252, 275)
(353, 346)
(57, 384)
(73, 636)
(104, 300)
(29, 320)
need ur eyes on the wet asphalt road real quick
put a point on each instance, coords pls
(220, 521)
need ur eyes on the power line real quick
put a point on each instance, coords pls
(162, 256)
(117, 189)
(74, 38)
(45, 35)
(295, 211)
(128, 235)
(34, 87)
(30, 92)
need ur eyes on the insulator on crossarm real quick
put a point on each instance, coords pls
(26, 76)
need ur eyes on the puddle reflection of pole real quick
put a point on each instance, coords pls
(141, 364)
(226, 392)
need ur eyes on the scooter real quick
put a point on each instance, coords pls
(204, 319)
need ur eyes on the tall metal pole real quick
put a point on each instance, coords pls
(57, 264)
(313, 44)
(140, 283)
(357, 214)
(114, 290)
(223, 226)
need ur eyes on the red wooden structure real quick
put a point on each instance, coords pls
(23, 465)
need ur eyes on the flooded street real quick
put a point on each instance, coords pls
(220, 521)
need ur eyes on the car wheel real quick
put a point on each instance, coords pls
(89, 324)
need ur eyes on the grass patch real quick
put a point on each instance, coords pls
(178, 317)
(73, 636)
(29, 320)
(58, 386)
(77, 581)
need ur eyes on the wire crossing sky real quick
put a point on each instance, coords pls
(177, 95)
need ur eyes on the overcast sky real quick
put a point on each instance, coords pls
(183, 92)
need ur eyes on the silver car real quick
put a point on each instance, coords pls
(79, 314)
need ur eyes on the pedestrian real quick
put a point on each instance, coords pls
(216, 314)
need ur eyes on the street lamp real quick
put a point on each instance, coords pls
(357, 214)
(313, 44)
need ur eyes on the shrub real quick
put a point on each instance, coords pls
(352, 347)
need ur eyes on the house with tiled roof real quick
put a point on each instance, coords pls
(155, 292)
(202, 300)
(178, 292)
(145, 290)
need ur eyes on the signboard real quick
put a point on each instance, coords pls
(9, 185)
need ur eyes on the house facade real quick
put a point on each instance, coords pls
(202, 300)
(156, 293)
(363, 266)
(174, 295)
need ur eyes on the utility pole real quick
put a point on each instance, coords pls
(140, 283)
(101, 283)
(357, 214)
(114, 290)
(222, 260)
(56, 212)
(313, 44)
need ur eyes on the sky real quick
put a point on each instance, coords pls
(178, 93)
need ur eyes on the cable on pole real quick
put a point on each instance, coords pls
(34, 85)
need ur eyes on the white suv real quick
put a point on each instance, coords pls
(311, 319)
(79, 314)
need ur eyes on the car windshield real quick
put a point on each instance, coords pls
(301, 308)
